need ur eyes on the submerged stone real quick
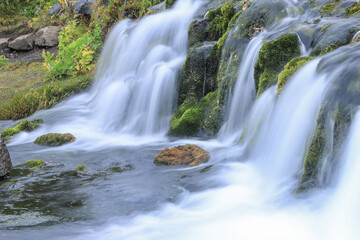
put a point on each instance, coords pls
(55, 139)
(189, 154)
(34, 163)
(5, 160)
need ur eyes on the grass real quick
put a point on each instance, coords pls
(23, 90)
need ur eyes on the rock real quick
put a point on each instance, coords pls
(5, 160)
(189, 154)
(199, 31)
(23, 43)
(273, 56)
(198, 74)
(3, 43)
(47, 37)
(85, 7)
(55, 9)
(54, 139)
(24, 125)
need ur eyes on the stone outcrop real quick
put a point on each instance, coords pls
(5, 160)
(189, 154)
(23, 43)
(47, 37)
(55, 139)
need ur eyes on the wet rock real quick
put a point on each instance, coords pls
(85, 7)
(5, 160)
(23, 43)
(198, 75)
(47, 37)
(54, 139)
(24, 125)
(3, 43)
(189, 154)
(199, 31)
(55, 9)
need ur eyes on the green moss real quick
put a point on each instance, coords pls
(315, 153)
(354, 9)
(35, 163)
(323, 29)
(220, 19)
(169, 3)
(273, 56)
(80, 168)
(24, 125)
(329, 8)
(54, 139)
(331, 48)
(193, 116)
(205, 169)
(342, 120)
(289, 70)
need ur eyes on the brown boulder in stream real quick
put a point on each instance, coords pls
(189, 154)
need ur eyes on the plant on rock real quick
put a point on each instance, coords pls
(55, 139)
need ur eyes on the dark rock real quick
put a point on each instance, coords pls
(23, 43)
(55, 9)
(3, 43)
(47, 37)
(5, 160)
(85, 7)
(199, 31)
(189, 154)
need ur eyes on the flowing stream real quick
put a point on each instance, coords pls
(247, 191)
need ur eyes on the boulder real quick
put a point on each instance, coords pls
(199, 31)
(189, 154)
(3, 43)
(85, 7)
(23, 43)
(5, 160)
(55, 9)
(47, 37)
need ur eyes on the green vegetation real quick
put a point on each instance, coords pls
(169, 3)
(80, 168)
(55, 139)
(289, 70)
(193, 116)
(315, 153)
(24, 103)
(4, 62)
(328, 9)
(34, 163)
(24, 125)
(273, 56)
(220, 19)
(323, 29)
(354, 9)
(205, 169)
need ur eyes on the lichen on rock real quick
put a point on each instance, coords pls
(189, 154)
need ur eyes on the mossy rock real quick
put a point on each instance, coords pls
(80, 168)
(353, 10)
(289, 70)
(189, 154)
(198, 75)
(34, 163)
(54, 139)
(24, 125)
(273, 56)
(194, 116)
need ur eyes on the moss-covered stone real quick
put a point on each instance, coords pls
(54, 139)
(189, 154)
(220, 19)
(289, 70)
(198, 75)
(329, 8)
(354, 9)
(273, 56)
(315, 153)
(34, 163)
(24, 125)
(323, 29)
(194, 116)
